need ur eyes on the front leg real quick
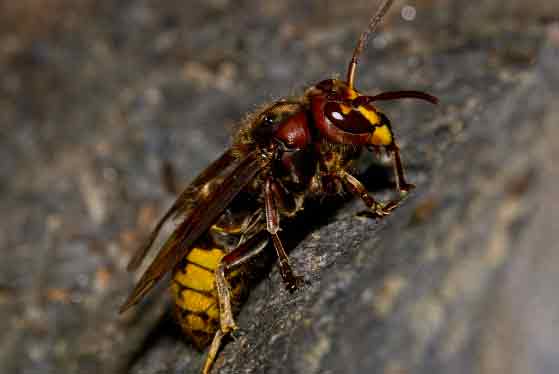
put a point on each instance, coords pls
(401, 184)
(291, 280)
(356, 188)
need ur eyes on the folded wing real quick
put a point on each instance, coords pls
(199, 217)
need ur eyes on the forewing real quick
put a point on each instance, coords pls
(180, 207)
(199, 219)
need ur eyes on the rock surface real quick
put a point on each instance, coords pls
(95, 96)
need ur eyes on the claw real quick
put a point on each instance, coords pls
(381, 210)
(237, 334)
(295, 283)
(391, 205)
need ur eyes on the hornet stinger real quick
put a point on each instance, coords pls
(290, 151)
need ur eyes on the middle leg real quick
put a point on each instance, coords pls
(292, 281)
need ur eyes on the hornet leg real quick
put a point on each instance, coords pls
(292, 281)
(212, 354)
(401, 184)
(237, 257)
(355, 187)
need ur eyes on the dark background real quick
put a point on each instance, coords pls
(96, 96)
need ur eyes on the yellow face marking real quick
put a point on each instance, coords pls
(208, 258)
(345, 109)
(196, 278)
(352, 94)
(370, 115)
(381, 136)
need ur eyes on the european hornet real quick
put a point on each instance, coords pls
(292, 150)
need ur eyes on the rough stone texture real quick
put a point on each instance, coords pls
(95, 96)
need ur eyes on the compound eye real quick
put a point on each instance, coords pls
(335, 113)
(357, 120)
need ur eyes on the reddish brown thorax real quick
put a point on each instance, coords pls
(296, 161)
(294, 133)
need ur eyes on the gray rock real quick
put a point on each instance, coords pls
(96, 97)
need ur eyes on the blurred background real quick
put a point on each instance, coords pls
(100, 100)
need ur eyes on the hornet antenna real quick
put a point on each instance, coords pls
(373, 23)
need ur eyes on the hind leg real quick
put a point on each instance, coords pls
(212, 353)
(237, 257)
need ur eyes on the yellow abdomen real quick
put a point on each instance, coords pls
(194, 292)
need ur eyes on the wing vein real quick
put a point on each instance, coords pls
(199, 219)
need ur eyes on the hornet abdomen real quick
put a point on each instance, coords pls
(194, 291)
